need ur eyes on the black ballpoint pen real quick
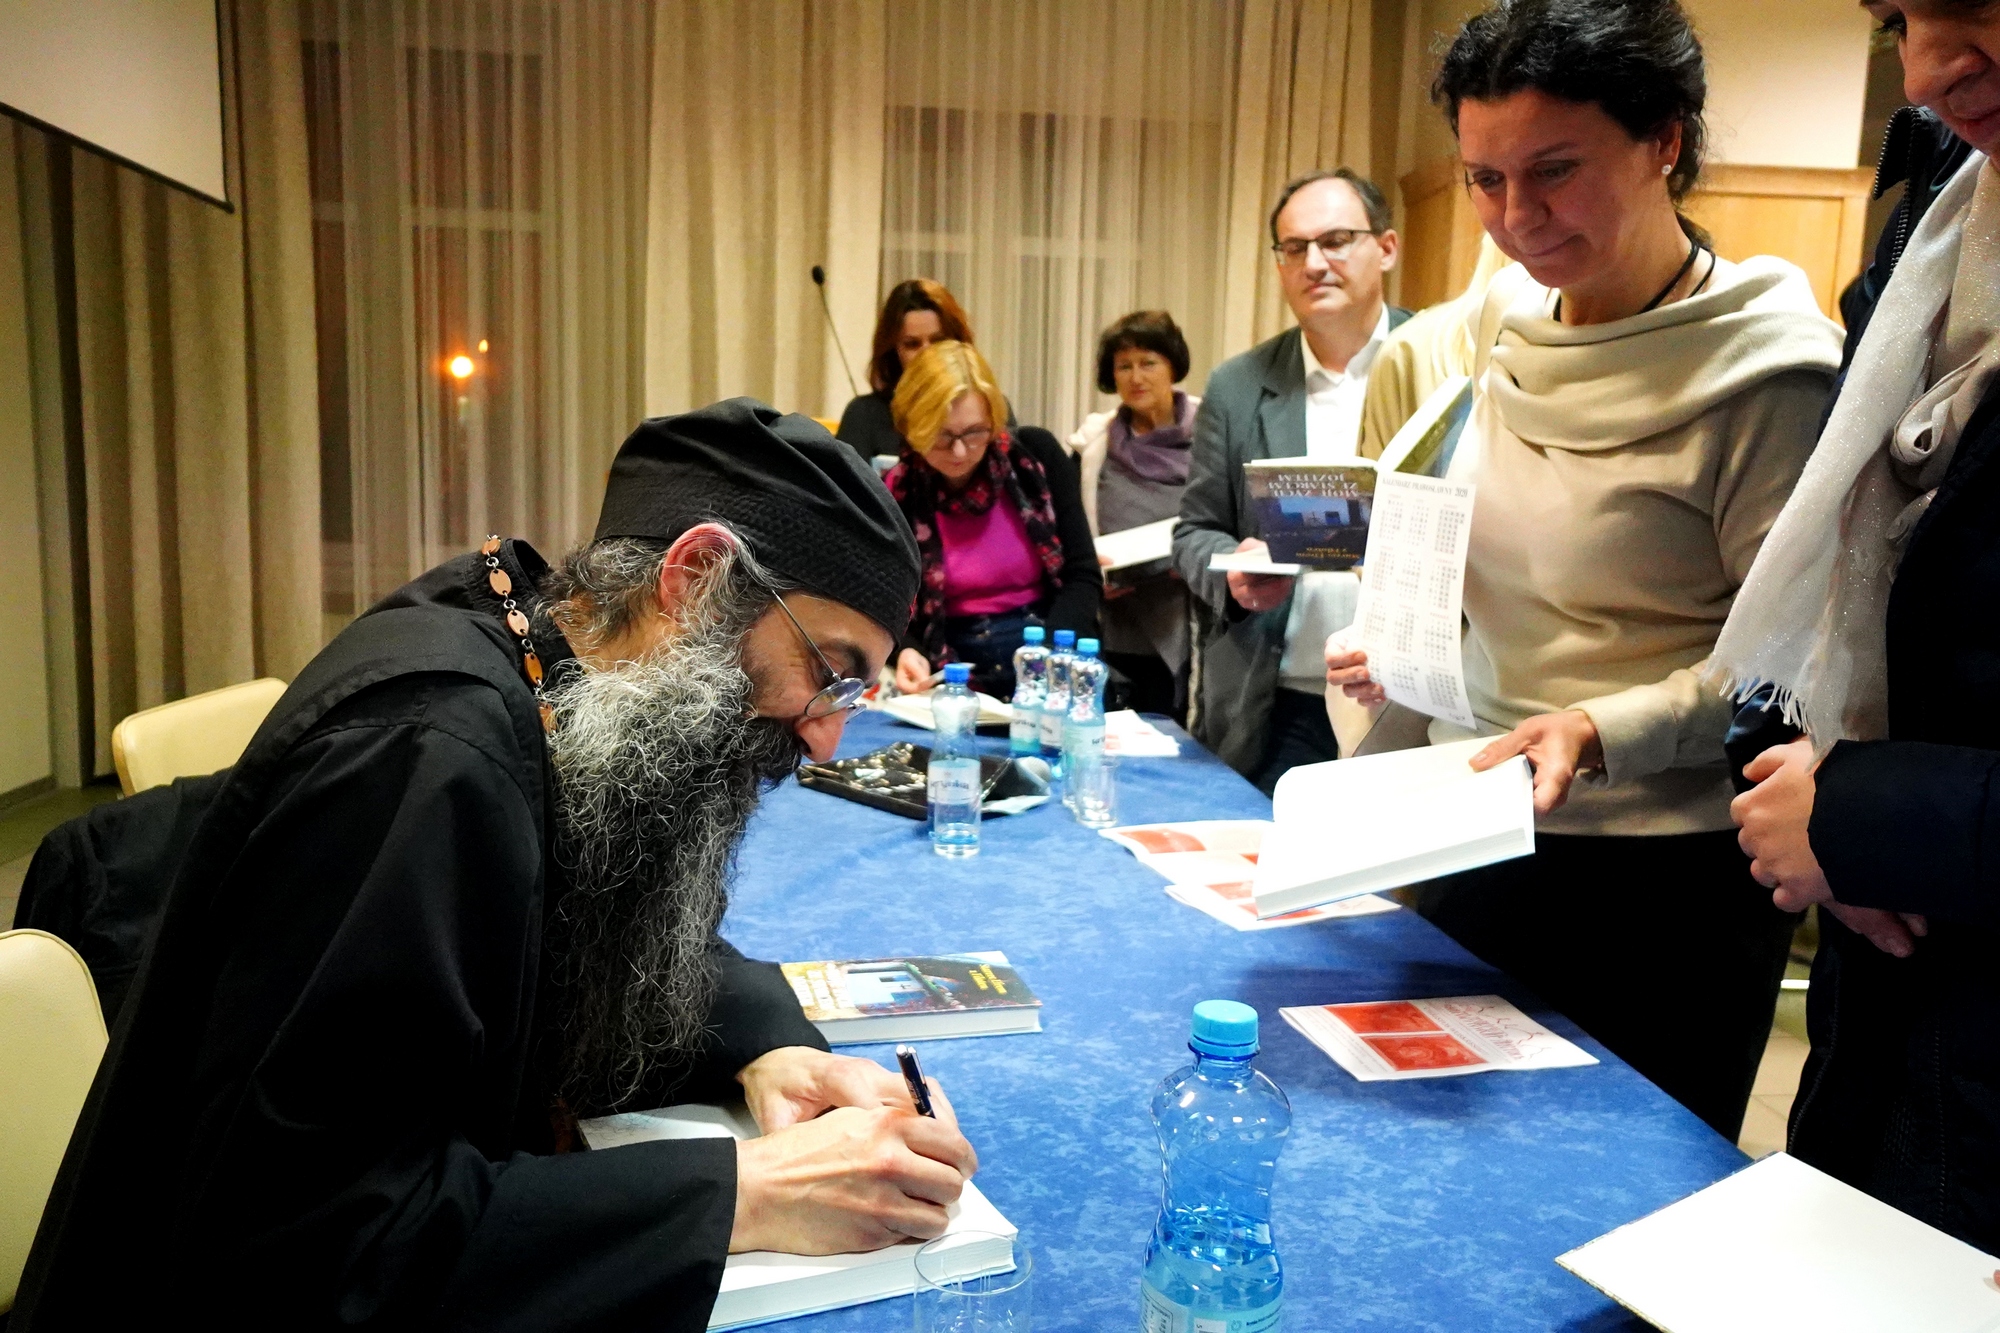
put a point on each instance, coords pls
(913, 1074)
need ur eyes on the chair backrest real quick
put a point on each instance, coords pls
(51, 1039)
(189, 737)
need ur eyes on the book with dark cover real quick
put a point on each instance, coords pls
(914, 999)
(1312, 514)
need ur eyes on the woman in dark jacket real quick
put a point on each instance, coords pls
(916, 313)
(1873, 625)
(998, 518)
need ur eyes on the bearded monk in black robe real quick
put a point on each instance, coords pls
(464, 887)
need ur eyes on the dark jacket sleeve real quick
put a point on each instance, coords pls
(1911, 827)
(867, 425)
(359, 1072)
(1077, 602)
(1207, 522)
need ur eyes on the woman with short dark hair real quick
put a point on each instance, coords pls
(1642, 409)
(1134, 464)
(915, 314)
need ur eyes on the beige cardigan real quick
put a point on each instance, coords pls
(1627, 473)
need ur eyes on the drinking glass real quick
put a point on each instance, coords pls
(948, 1303)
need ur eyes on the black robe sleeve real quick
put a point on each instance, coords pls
(350, 1159)
(1911, 827)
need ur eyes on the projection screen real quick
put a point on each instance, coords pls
(140, 80)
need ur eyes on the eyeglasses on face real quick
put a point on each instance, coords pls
(1335, 245)
(974, 440)
(841, 694)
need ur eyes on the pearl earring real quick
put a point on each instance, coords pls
(1667, 170)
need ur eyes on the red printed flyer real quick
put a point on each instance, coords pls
(1211, 866)
(1379, 1040)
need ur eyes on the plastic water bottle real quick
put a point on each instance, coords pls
(1055, 703)
(953, 774)
(1211, 1264)
(1089, 777)
(1031, 692)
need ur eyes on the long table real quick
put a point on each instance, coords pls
(1433, 1204)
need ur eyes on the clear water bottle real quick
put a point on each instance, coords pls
(1055, 703)
(953, 774)
(1031, 692)
(1211, 1264)
(1090, 778)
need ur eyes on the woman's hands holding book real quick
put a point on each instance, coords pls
(853, 1179)
(1558, 746)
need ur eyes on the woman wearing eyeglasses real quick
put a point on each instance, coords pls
(1643, 409)
(999, 521)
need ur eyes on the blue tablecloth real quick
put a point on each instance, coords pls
(1436, 1204)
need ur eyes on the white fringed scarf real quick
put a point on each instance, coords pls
(1811, 618)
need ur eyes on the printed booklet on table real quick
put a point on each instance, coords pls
(1210, 865)
(915, 999)
(1380, 1040)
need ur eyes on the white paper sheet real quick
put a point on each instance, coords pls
(1780, 1245)
(1133, 737)
(1210, 865)
(1412, 588)
(1137, 546)
(1383, 1040)
(1250, 562)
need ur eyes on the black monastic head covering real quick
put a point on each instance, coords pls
(809, 508)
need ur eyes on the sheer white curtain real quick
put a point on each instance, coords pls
(479, 203)
(174, 398)
(1058, 163)
(766, 161)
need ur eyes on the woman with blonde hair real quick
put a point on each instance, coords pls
(998, 518)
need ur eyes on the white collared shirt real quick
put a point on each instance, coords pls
(1324, 601)
(1334, 397)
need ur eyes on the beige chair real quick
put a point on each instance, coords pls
(51, 1039)
(191, 736)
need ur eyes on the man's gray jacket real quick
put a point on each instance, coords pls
(1253, 407)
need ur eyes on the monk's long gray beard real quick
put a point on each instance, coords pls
(658, 767)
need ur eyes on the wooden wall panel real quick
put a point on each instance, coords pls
(1440, 235)
(1816, 217)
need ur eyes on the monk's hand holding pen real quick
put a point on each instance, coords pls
(851, 1180)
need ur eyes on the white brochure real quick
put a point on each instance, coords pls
(1382, 1040)
(1412, 584)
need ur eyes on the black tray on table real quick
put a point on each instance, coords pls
(892, 778)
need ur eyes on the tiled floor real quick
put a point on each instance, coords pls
(23, 826)
(1778, 1076)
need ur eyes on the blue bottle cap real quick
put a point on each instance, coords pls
(957, 673)
(1065, 638)
(1225, 1028)
(1033, 634)
(1087, 647)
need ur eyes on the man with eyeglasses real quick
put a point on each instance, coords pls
(1263, 675)
(464, 888)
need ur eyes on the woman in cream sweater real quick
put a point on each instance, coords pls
(1644, 408)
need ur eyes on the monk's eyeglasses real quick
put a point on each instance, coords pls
(842, 694)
